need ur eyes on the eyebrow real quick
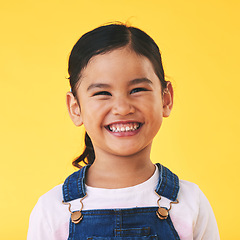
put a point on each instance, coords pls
(132, 82)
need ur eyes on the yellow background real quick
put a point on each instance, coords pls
(199, 41)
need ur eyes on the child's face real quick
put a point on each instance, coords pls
(121, 104)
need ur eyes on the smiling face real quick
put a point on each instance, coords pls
(121, 104)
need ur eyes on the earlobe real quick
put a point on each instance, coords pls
(74, 109)
(167, 100)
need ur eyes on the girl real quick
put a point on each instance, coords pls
(119, 93)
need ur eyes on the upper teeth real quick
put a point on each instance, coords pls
(124, 127)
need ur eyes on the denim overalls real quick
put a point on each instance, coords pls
(141, 223)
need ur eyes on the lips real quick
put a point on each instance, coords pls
(124, 127)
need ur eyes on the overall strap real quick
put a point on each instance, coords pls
(74, 186)
(168, 184)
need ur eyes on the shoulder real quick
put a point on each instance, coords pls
(191, 196)
(50, 201)
(50, 205)
(53, 196)
(188, 197)
(188, 190)
(191, 193)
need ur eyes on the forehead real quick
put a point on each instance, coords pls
(119, 65)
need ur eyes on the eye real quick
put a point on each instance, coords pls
(105, 93)
(135, 90)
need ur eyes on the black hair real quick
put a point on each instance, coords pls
(102, 40)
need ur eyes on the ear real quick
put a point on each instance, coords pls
(74, 109)
(167, 100)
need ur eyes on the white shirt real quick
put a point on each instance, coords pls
(192, 217)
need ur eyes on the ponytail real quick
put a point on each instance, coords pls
(88, 155)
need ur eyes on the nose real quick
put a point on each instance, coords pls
(122, 106)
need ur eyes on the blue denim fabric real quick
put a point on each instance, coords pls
(122, 224)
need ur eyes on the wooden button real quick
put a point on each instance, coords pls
(162, 213)
(76, 217)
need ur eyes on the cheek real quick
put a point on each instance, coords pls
(94, 113)
(153, 109)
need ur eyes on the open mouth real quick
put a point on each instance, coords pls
(124, 127)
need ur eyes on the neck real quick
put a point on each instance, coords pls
(111, 171)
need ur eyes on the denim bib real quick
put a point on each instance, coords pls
(139, 223)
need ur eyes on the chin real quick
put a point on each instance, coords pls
(126, 152)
